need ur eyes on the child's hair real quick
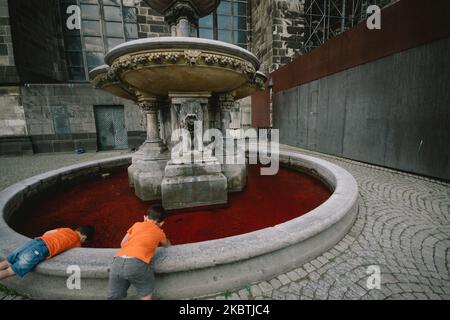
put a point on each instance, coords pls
(87, 231)
(156, 212)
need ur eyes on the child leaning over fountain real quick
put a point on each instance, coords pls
(131, 265)
(24, 259)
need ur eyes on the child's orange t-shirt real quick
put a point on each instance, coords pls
(144, 238)
(61, 240)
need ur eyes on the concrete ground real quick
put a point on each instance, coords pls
(402, 230)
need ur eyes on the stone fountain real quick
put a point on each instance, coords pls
(182, 83)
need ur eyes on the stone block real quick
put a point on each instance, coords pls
(236, 175)
(193, 185)
(146, 177)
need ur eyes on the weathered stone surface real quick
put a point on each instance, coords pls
(193, 185)
(146, 177)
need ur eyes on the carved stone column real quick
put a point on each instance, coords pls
(183, 16)
(153, 145)
(149, 162)
(226, 104)
(235, 163)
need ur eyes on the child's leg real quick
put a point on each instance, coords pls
(4, 265)
(141, 277)
(6, 273)
(118, 285)
(26, 258)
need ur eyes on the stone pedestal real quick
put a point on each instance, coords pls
(234, 166)
(191, 180)
(148, 163)
(194, 184)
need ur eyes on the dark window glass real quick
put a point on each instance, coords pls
(224, 22)
(225, 35)
(240, 9)
(75, 59)
(206, 22)
(111, 2)
(224, 8)
(72, 43)
(228, 23)
(94, 59)
(131, 31)
(114, 29)
(112, 13)
(129, 15)
(240, 23)
(91, 28)
(90, 12)
(206, 33)
(93, 44)
(240, 36)
(112, 42)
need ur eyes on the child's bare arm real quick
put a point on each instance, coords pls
(165, 243)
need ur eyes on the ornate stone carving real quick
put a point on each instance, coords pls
(149, 106)
(188, 57)
(192, 56)
(181, 10)
(105, 78)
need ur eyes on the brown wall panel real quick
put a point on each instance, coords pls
(405, 25)
(261, 109)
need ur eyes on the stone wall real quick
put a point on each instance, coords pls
(13, 129)
(8, 72)
(38, 43)
(392, 112)
(277, 31)
(79, 101)
(150, 23)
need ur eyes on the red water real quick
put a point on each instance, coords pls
(111, 207)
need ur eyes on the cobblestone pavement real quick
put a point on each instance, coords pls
(403, 227)
(16, 168)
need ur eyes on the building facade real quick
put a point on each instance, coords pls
(47, 48)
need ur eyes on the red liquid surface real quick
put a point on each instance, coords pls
(111, 206)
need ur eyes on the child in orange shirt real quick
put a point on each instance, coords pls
(131, 265)
(24, 259)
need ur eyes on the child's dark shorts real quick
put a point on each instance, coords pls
(28, 256)
(130, 271)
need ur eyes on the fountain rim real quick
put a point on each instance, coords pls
(102, 69)
(187, 43)
(205, 254)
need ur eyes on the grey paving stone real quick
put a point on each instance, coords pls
(284, 279)
(308, 267)
(275, 283)
(293, 276)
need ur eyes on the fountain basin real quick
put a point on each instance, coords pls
(159, 66)
(197, 269)
(104, 79)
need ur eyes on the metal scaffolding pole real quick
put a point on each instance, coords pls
(325, 19)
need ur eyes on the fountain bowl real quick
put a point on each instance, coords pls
(164, 65)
